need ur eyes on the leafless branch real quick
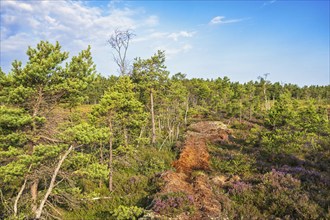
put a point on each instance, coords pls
(20, 193)
(119, 41)
(52, 182)
(50, 139)
(98, 198)
(55, 209)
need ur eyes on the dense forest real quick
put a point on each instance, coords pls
(75, 144)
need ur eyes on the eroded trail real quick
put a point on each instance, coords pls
(191, 168)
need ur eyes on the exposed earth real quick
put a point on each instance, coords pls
(191, 170)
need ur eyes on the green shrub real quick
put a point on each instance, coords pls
(233, 163)
(128, 213)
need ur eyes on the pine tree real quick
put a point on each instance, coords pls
(151, 76)
(122, 113)
(36, 89)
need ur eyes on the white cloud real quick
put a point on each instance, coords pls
(33, 23)
(154, 35)
(269, 2)
(152, 20)
(8, 19)
(221, 20)
(170, 51)
(67, 19)
(15, 43)
(76, 24)
(17, 5)
(175, 36)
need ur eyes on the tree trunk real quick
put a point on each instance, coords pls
(20, 193)
(36, 108)
(34, 187)
(18, 196)
(177, 131)
(101, 161)
(52, 182)
(34, 194)
(240, 111)
(110, 155)
(169, 126)
(186, 112)
(265, 97)
(101, 153)
(159, 127)
(153, 138)
(140, 136)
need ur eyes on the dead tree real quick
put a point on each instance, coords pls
(119, 41)
(264, 83)
(52, 182)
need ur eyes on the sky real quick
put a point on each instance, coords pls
(203, 39)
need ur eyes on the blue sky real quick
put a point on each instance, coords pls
(203, 39)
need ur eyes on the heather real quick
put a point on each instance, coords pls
(150, 144)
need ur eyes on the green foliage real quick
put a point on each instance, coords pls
(85, 133)
(287, 129)
(43, 81)
(282, 113)
(281, 141)
(312, 119)
(13, 124)
(226, 161)
(97, 88)
(94, 171)
(150, 73)
(152, 166)
(125, 151)
(128, 213)
(120, 106)
(12, 151)
(12, 119)
(80, 72)
(294, 129)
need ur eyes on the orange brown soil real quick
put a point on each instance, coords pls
(195, 157)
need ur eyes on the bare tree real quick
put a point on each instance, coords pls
(52, 182)
(119, 41)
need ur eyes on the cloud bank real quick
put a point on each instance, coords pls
(76, 24)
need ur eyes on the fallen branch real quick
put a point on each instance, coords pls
(55, 209)
(20, 193)
(50, 139)
(52, 182)
(98, 198)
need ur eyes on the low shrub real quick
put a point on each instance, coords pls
(279, 195)
(128, 213)
(172, 204)
(233, 163)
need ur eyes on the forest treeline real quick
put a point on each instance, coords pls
(75, 144)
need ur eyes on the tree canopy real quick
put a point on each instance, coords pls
(75, 144)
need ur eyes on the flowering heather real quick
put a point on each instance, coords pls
(279, 179)
(239, 187)
(305, 174)
(172, 203)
